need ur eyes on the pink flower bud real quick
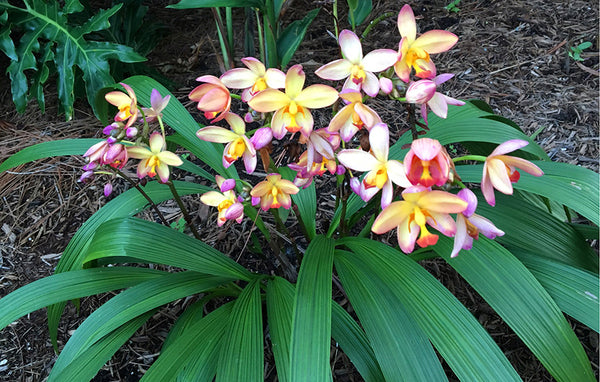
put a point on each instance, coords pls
(469, 197)
(386, 85)
(131, 132)
(420, 92)
(262, 137)
(108, 188)
(228, 184)
(340, 170)
(248, 117)
(355, 185)
(86, 176)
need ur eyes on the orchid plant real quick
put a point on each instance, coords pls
(531, 263)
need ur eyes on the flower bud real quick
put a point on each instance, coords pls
(420, 92)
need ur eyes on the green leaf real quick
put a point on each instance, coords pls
(513, 292)
(388, 325)
(130, 237)
(48, 149)
(291, 37)
(190, 4)
(129, 304)
(280, 312)
(70, 285)
(306, 200)
(86, 366)
(359, 11)
(458, 337)
(311, 326)
(576, 187)
(241, 356)
(574, 290)
(193, 353)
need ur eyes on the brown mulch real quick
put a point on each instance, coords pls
(512, 54)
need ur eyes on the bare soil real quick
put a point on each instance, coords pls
(512, 54)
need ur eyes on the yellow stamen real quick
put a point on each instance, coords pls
(236, 150)
(414, 54)
(225, 204)
(259, 85)
(358, 74)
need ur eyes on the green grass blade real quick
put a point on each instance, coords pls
(576, 187)
(311, 325)
(280, 310)
(241, 356)
(86, 366)
(513, 292)
(388, 325)
(66, 286)
(130, 237)
(194, 352)
(47, 150)
(129, 304)
(459, 338)
(355, 344)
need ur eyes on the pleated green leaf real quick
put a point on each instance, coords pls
(576, 187)
(131, 237)
(242, 356)
(47, 150)
(311, 325)
(66, 286)
(86, 366)
(191, 4)
(534, 230)
(574, 290)
(176, 116)
(389, 326)
(355, 344)
(280, 310)
(306, 200)
(129, 304)
(127, 204)
(193, 354)
(513, 292)
(459, 338)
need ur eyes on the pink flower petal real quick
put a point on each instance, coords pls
(469, 197)
(407, 25)
(379, 138)
(249, 161)
(335, 70)
(461, 235)
(485, 226)
(294, 81)
(262, 137)
(435, 41)
(236, 122)
(212, 198)
(257, 67)
(397, 174)
(357, 160)
(425, 148)
(269, 100)
(317, 96)
(238, 78)
(499, 176)
(522, 164)
(438, 105)
(216, 134)
(351, 47)
(371, 84)
(275, 78)
(509, 146)
(379, 60)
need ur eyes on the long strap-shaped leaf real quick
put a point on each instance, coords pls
(130, 237)
(86, 365)
(575, 187)
(306, 200)
(241, 357)
(459, 338)
(66, 286)
(130, 304)
(194, 351)
(127, 204)
(47, 150)
(280, 311)
(311, 327)
(522, 302)
(389, 326)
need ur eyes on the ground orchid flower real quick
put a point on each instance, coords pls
(227, 203)
(254, 79)
(357, 70)
(292, 108)
(469, 224)
(237, 143)
(381, 171)
(158, 104)
(305, 172)
(500, 171)
(320, 142)
(352, 117)
(274, 192)
(420, 207)
(424, 93)
(213, 98)
(427, 163)
(126, 103)
(155, 160)
(414, 52)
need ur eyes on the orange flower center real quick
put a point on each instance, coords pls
(236, 150)
(259, 86)
(358, 74)
(377, 177)
(415, 54)
(420, 217)
(152, 162)
(290, 112)
(225, 204)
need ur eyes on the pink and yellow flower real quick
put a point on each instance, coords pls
(274, 192)
(158, 104)
(213, 98)
(381, 171)
(353, 117)
(237, 143)
(227, 203)
(424, 93)
(420, 207)
(126, 103)
(155, 159)
(427, 163)
(414, 52)
(357, 70)
(469, 224)
(292, 108)
(500, 171)
(305, 172)
(254, 79)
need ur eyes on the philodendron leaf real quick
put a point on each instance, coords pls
(359, 11)
(291, 37)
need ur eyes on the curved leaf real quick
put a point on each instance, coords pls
(191, 4)
(306, 200)
(280, 312)
(291, 37)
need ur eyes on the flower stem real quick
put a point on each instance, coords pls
(184, 210)
(412, 121)
(479, 158)
(373, 23)
(144, 194)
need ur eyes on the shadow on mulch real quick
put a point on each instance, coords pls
(512, 54)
